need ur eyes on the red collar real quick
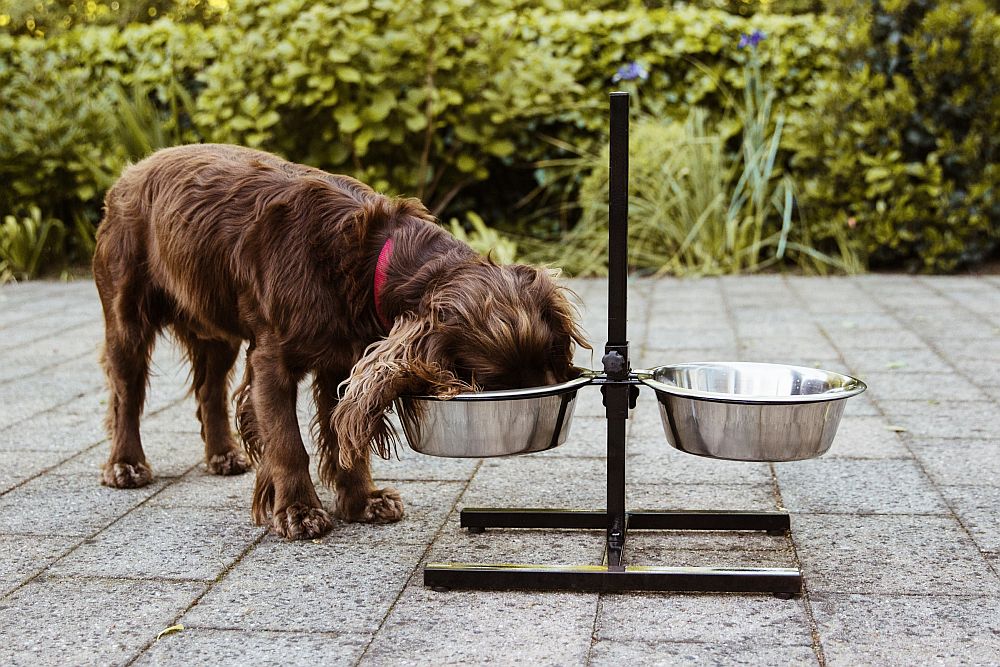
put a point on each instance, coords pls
(381, 271)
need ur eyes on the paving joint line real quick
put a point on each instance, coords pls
(420, 563)
(50, 367)
(209, 585)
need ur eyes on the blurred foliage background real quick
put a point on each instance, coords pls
(807, 135)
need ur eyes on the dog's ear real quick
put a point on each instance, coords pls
(393, 367)
(556, 303)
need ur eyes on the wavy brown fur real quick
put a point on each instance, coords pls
(224, 244)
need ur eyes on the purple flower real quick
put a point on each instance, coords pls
(630, 72)
(751, 40)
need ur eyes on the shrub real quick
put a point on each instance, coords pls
(62, 117)
(696, 208)
(417, 98)
(26, 244)
(904, 151)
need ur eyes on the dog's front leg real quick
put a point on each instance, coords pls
(358, 499)
(284, 492)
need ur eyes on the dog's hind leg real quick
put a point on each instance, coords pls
(358, 499)
(133, 313)
(211, 364)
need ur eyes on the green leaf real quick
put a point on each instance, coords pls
(466, 163)
(347, 120)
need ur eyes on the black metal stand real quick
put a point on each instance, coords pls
(620, 388)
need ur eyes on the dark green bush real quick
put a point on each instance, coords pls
(904, 150)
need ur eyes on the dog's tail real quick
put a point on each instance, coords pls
(246, 421)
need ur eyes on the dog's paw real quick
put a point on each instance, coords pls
(233, 462)
(301, 522)
(126, 475)
(381, 506)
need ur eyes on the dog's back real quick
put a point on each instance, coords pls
(193, 223)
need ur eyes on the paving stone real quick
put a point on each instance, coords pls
(763, 329)
(29, 397)
(908, 630)
(898, 339)
(88, 621)
(780, 350)
(858, 487)
(169, 454)
(178, 417)
(665, 339)
(164, 543)
(927, 347)
(842, 325)
(66, 505)
(24, 556)
(655, 462)
(905, 555)
(527, 482)
(199, 488)
(42, 326)
(682, 355)
(898, 362)
(588, 438)
(944, 419)
(235, 648)
(959, 461)
(692, 541)
(971, 348)
(329, 586)
(639, 654)
(465, 627)
(861, 406)
(861, 437)
(649, 549)
(524, 546)
(60, 430)
(925, 386)
(976, 507)
(758, 620)
(16, 467)
(698, 497)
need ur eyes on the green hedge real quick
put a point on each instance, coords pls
(456, 100)
(60, 146)
(904, 150)
(423, 98)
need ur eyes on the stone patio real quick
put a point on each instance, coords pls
(896, 530)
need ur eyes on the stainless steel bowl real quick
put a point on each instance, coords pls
(491, 423)
(749, 411)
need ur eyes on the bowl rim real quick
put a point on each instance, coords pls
(586, 377)
(853, 386)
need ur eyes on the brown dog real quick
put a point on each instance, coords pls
(321, 275)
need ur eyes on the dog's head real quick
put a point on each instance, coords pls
(483, 327)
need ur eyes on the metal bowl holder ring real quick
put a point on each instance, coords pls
(620, 386)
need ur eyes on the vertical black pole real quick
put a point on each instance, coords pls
(618, 220)
(616, 361)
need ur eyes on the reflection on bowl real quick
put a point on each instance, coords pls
(491, 423)
(750, 411)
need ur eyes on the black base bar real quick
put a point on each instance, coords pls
(612, 576)
(782, 581)
(636, 520)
